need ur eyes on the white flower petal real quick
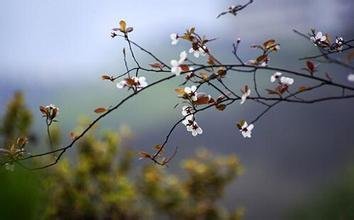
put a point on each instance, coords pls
(182, 57)
(121, 84)
(176, 70)
(286, 80)
(174, 63)
(187, 90)
(199, 130)
(194, 133)
(351, 77)
(243, 99)
(318, 35)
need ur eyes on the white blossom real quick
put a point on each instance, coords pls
(137, 83)
(339, 43)
(141, 82)
(351, 77)
(192, 125)
(187, 110)
(191, 92)
(275, 76)
(318, 38)
(195, 129)
(286, 80)
(246, 130)
(245, 94)
(174, 38)
(188, 120)
(176, 69)
(198, 52)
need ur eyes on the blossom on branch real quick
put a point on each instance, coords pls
(174, 38)
(199, 51)
(338, 45)
(275, 76)
(135, 83)
(245, 93)
(49, 111)
(282, 79)
(177, 65)
(246, 130)
(191, 92)
(286, 80)
(187, 110)
(192, 126)
(319, 39)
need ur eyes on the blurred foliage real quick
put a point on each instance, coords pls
(20, 196)
(16, 121)
(100, 183)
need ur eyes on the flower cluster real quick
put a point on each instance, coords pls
(283, 83)
(191, 125)
(319, 39)
(282, 79)
(245, 128)
(323, 40)
(178, 66)
(50, 112)
(135, 83)
(198, 51)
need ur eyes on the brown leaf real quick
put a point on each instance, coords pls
(156, 65)
(261, 59)
(269, 43)
(184, 67)
(43, 110)
(220, 107)
(202, 99)
(106, 77)
(221, 72)
(211, 61)
(282, 88)
(21, 142)
(144, 155)
(272, 92)
(204, 75)
(157, 146)
(130, 81)
(310, 66)
(302, 89)
(180, 91)
(100, 110)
